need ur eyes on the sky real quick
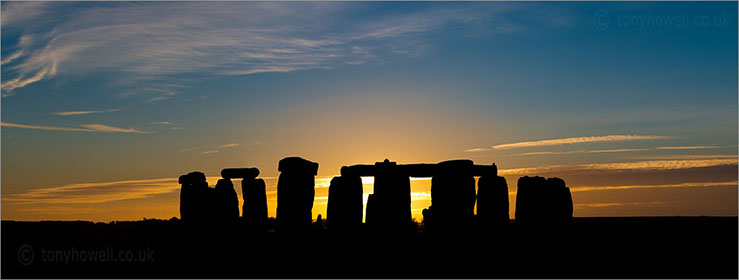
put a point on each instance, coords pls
(105, 104)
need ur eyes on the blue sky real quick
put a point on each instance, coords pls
(108, 91)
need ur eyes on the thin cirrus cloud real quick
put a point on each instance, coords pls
(649, 186)
(618, 150)
(577, 140)
(83, 128)
(680, 185)
(582, 152)
(103, 192)
(615, 204)
(667, 157)
(156, 43)
(95, 192)
(75, 113)
(212, 149)
(476, 150)
(624, 166)
(688, 147)
(63, 210)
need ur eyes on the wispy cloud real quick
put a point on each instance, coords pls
(74, 113)
(623, 166)
(89, 193)
(23, 80)
(22, 11)
(157, 43)
(211, 149)
(617, 150)
(680, 185)
(688, 147)
(580, 152)
(477, 150)
(663, 157)
(12, 57)
(107, 128)
(164, 96)
(615, 204)
(84, 128)
(62, 210)
(95, 192)
(577, 140)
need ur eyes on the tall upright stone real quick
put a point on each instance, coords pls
(226, 202)
(369, 216)
(542, 201)
(344, 209)
(561, 206)
(192, 192)
(530, 200)
(255, 203)
(492, 201)
(391, 205)
(295, 194)
(453, 195)
(186, 198)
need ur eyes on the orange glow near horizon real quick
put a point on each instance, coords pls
(591, 198)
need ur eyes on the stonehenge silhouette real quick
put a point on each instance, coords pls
(539, 201)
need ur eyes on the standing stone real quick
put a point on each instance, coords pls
(562, 205)
(543, 201)
(391, 209)
(369, 216)
(453, 195)
(344, 209)
(295, 193)
(530, 200)
(255, 203)
(226, 202)
(186, 198)
(194, 196)
(492, 201)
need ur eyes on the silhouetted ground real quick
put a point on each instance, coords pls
(641, 247)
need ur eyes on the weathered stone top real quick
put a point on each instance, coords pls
(192, 177)
(422, 169)
(244, 173)
(298, 165)
(537, 181)
(556, 182)
(224, 184)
